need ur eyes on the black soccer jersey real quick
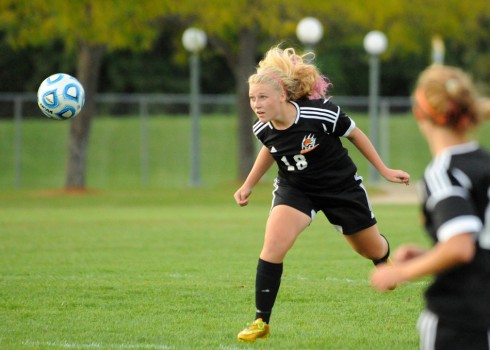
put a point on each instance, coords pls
(456, 191)
(309, 154)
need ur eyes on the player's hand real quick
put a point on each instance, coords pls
(384, 278)
(241, 195)
(397, 176)
(408, 252)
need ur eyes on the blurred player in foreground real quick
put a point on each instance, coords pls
(300, 130)
(455, 191)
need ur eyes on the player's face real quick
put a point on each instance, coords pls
(265, 101)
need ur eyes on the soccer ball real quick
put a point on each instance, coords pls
(60, 96)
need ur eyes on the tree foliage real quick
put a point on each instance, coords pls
(115, 24)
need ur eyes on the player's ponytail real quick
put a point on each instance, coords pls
(292, 73)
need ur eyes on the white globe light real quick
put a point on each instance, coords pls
(375, 42)
(194, 39)
(309, 30)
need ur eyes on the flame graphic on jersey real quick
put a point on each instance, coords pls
(308, 144)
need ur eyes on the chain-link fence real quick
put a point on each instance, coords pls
(151, 133)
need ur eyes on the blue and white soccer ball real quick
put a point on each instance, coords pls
(60, 96)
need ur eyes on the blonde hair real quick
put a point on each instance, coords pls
(291, 72)
(484, 108)
(447, 96)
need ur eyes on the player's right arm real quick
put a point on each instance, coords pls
(262, 163)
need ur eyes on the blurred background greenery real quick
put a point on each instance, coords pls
(145, 53)
(116, 160)
(135, 47)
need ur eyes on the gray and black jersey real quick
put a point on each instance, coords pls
(456, 192)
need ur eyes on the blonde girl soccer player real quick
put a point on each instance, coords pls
(455, 192)
(300, 130)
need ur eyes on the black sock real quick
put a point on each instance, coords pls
(267, 284)
(384, 258)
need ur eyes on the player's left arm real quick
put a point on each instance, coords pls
(459, 249)
(364, 145)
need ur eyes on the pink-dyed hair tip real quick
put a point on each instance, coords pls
(320, 90)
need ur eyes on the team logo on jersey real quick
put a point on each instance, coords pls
(308, 144)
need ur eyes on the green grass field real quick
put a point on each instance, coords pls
(165, 266)
(174, 269)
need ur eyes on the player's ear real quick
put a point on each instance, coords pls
(418, 113)
(283, 96)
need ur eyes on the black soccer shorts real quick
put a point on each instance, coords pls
(349, 211)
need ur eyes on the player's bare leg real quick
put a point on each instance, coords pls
(372, 245)
(283, 227)
(369, 243)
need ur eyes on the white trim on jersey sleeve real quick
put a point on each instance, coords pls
(462, 178)
(459, 225)
(298, 113)
(351, 128)
(467, 147)
(320, 113)
(452, 191)
(324, 114)
(259, 126)
(439, 183)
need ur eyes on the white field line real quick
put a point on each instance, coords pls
(189, 276)
(360, 281)
(70, 345)
(349, 280)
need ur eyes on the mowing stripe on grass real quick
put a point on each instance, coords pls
(69, 345)
(361, 281)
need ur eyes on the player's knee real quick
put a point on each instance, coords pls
(386, 256)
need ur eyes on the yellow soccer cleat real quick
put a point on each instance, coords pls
(258, 329)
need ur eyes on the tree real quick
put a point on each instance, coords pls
(89, 28)
(238, 29)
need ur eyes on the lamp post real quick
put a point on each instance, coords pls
(309, 31)
(438, 50)
(194, 41)
(375, 43)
